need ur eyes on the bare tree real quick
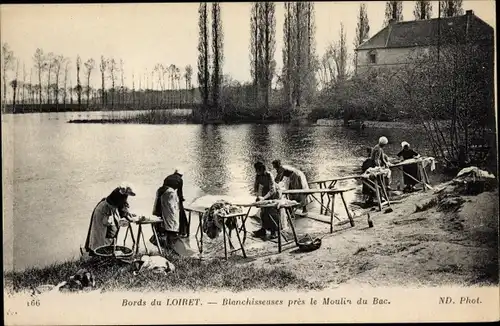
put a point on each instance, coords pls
(140, 90)
(65, 89)
(14, 84)
(158, 70)
(328, 67)
(133, 90)
(422, 10)
(113, 69)
(78, 83)
(58, 63)
(340, 55)
(7, 62)
(103, 67)
(89, 66)
(24, 86)
(179, 79)
(122, 86)
(70, 91)
(154, 97)
(188, 74)
(49, 61)
(30, 89)
(39, 59)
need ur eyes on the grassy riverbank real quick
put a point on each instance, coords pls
(433, 238)
(190, 274)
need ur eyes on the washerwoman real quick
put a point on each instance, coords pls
(410, 170)
(270, 190)
(296, 180)
(103, 228)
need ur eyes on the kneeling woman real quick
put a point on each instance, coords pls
(103, 227)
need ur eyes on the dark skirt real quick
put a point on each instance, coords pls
(167, 238)
(183, 221)
(269, 217)
(367, 191)
(411, 169)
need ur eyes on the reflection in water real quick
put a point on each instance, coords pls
(260, 143)
(211, 174)
(60, 170)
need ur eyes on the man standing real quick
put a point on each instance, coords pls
(175, 182)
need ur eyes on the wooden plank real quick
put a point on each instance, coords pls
(312, 217)
(334, 179)
(332, 213)
(196, 210)
(266, 204)
(408, 162)
(317, 191)
(234, 215)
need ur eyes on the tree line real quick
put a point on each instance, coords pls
(49, 84)
(303, 72)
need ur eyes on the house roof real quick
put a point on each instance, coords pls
(451, 30)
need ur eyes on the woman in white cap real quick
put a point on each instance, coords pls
(103, 228)
(379, 158)
(411, 169)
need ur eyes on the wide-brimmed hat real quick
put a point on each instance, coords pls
(383, 140)
(403, 144)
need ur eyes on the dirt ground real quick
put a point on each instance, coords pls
(432, 247)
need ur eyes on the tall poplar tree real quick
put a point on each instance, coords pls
(203, 55)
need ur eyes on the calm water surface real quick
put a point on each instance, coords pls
(57, 171)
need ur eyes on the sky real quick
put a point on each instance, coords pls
(145, 34)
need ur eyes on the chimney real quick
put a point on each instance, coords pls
(469, 12)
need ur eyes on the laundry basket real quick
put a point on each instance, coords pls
(114, 251)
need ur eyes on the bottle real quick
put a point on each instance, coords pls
(370, 223)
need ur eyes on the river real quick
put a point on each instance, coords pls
(55, 172)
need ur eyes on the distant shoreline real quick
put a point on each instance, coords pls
(318, 123)
(407, 124)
